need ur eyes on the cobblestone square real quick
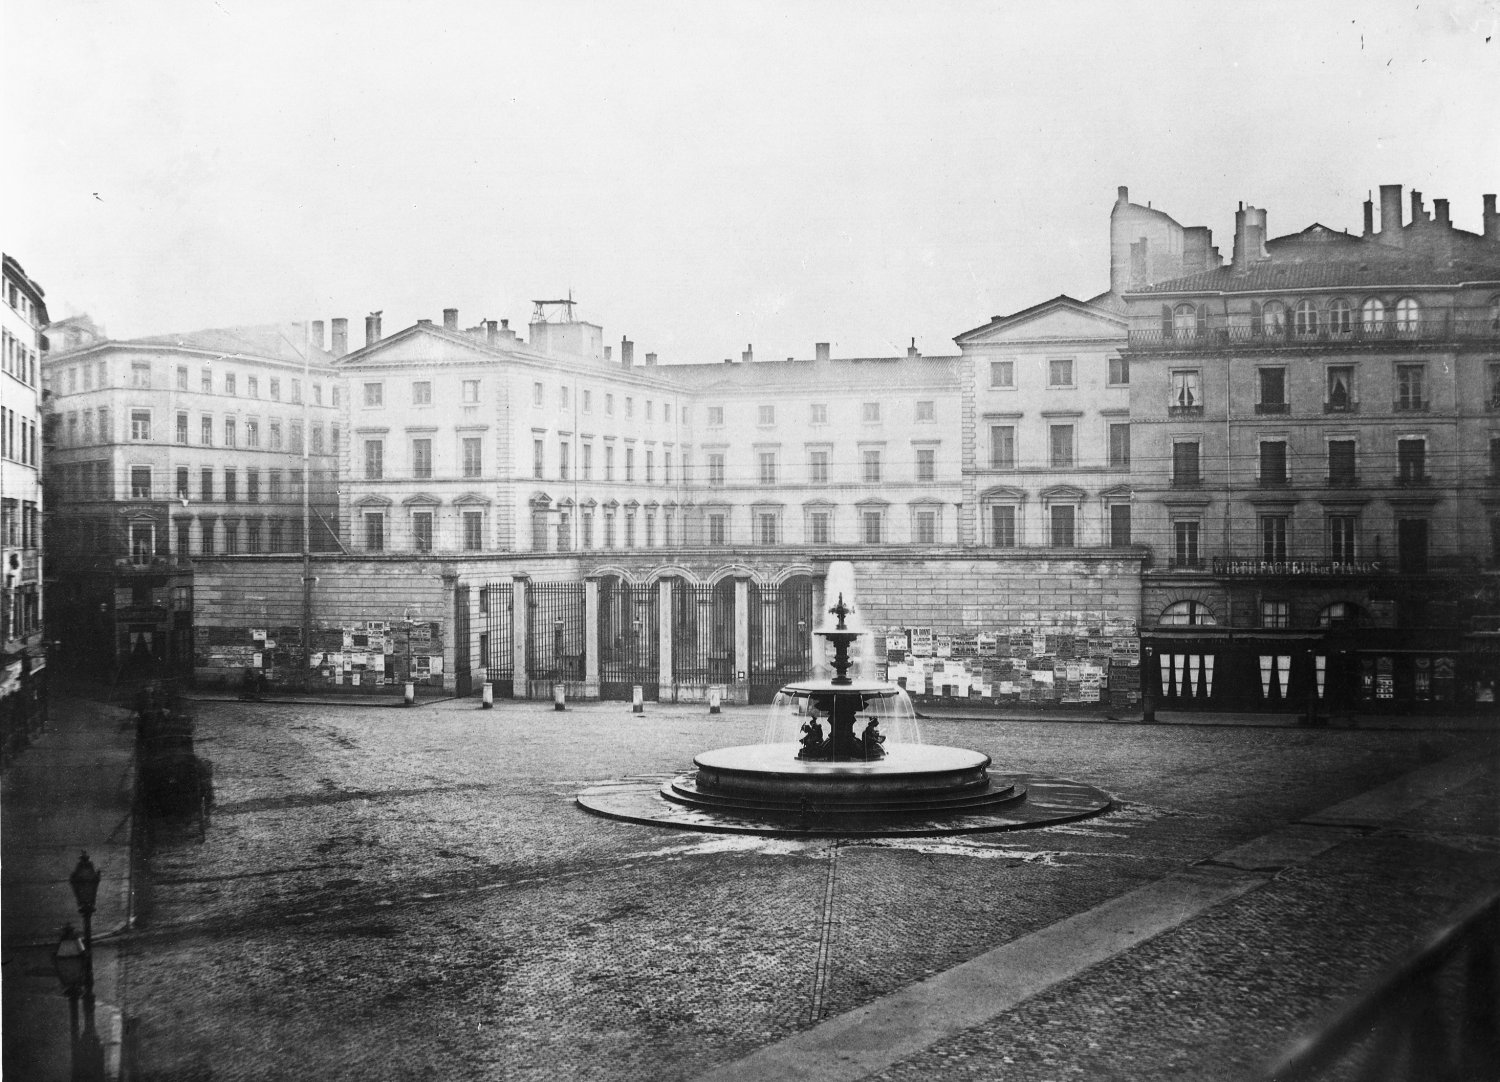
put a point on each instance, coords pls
(411, 893)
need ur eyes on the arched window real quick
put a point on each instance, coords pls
(1187, 612)
(1340, 317)
(1407, 315)
(1274, 315)
(1339, 614)
(1372, 316)
(1306, 318)
(1184, 321)
(1494, 316)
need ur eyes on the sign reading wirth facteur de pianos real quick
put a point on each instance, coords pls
(1225, 566)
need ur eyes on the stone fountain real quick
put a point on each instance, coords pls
(841, 773)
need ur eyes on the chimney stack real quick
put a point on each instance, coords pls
(372, 329)
(1491, 219)
(1440, 213)
(1369, 217)
(317, 333)
(1123, 194)
(821, 350)
(627, 353)
(340, 337)
(490, 331)
(650, 360)
(609, 353)
(1249, 236)
(911, 350)
(1390, 213)
(450, 319)
(749, 354)
(1418, 215)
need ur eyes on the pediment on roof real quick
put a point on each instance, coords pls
(420, 345)
(1062, 319)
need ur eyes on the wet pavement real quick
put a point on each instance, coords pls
(412, 893)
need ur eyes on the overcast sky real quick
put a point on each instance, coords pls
(700, 175)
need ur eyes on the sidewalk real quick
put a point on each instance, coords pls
(70, 792)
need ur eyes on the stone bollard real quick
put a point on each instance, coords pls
(410, 697)
(487, 702)
(715, 697)
(559, 696)
(637, 700)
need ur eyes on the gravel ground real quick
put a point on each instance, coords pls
(412, 894)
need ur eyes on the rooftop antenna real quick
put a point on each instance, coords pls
(549, 311)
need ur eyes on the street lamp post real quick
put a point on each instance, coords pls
(74, 962)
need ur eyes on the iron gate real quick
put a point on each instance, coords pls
(628, 642)
(496, 651)
(780, 643)
(555, 639)
(703, 633)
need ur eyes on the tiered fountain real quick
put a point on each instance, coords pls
(836, 780)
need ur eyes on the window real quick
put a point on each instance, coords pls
(1340, 317)
(252, 386)
(252, 433)
(1492, 390)
(106, 430)
(1063, 519)
(1494, 458)
(1411, 545)
(537, 393)
(1411, 460)
(275, 430)
(588, 526)
(1339, 614)
(870, 526)
(588, 402)
(252, 486)
(1060, 372)
(275, 385)
(1411, 387)
(1119, 371)
(818, 413)
(1185, 551)
(926, 464)
(1273, 538)
(1003, 526)
(206, 537)
(374, 460)
(1002, 373)
(421, 458)
(1002, 447)
(1343, 532)
(1273, 462)
(630, 463)
(184, 537)
(421, 395)
(229, 432)
(473, 456)
(924, 527)
(716, 532)
(206, 485)
(872, 466)
(1119, 446)
(563, 465)
(767, 467)
(1060, 440)
(715, 416)
(296, 434)
(629, 408)
(609, 462)
(1273, 316)
(587, 465)
(1184, 321)
(1372, 316)
(1185, 395)
(926, 409)
(140, 373)
(765, 528)
(473, 530)
(231, 537)
(231, 486)
(317, 439)
(609, 406)
(273, 484)
(1275, 614)
(1272, 384)
(1341, 462)
(767, 415)
(650, 517)
(715, 469)
(470, 391)
(817, 467)
(374, 393)
(1340, 390)
(253, 536)
(1185, 463)
(140, 482)
(538, 458)
(818, 531)
(182, 483)
(1408, 315)
(374, 531)
(666, 467)
(140, 424)
(182, 377)
(650, 416)
(1119, 525)
(229, 388)
(1305, 318)
(564, 531)
(870, 412)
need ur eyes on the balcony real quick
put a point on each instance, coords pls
(1340, 407)
(1432, 325)
(1273, 407)
(1411, 405)
(1184, 411)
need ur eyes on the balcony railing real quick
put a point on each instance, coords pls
(1411, 405)
(1432, 325)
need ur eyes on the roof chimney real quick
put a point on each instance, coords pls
(372, 329)
(1491, 219)
(450, 319)
(1249, 237)
(1123, 194)
(821, 349)
(609, 353)
(490, 331)
(317, 333)
(1369, 217)
(1417, 213)
(627, 353)
(1390, 213)
(650, 360)
(911, 350)
(340, 337)
(749, 354)
(1440, 213)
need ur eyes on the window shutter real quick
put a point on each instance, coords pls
(1166, 321)
(1257, 324)
(1202, 320)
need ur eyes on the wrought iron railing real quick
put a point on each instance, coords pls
(1435, 1016)
(1432, 325)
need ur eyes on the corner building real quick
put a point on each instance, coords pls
(1317, 429)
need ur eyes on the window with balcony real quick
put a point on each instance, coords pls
(1002, 447)
(1411, 387)
(1305, 319)
(1003, 526)
(1119, 525)
(1340, 317)
(1339, 389)
(1343, 534)
(1273, 466)
(1185, 472)
(1185, 550)
(817, 467)
(1119, 446)
(1003, 374)
(1063, 520)
(1411, 461)
(1272, 386)
(1060, 443)
(1184, 321)
(1342, 469)
(926, 464)
(1273, 530)
(1186, 398)
(1273, 319)
(1408, 315)
(421, 458)
(1372, 316)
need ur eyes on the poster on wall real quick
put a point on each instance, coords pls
(921, 640)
